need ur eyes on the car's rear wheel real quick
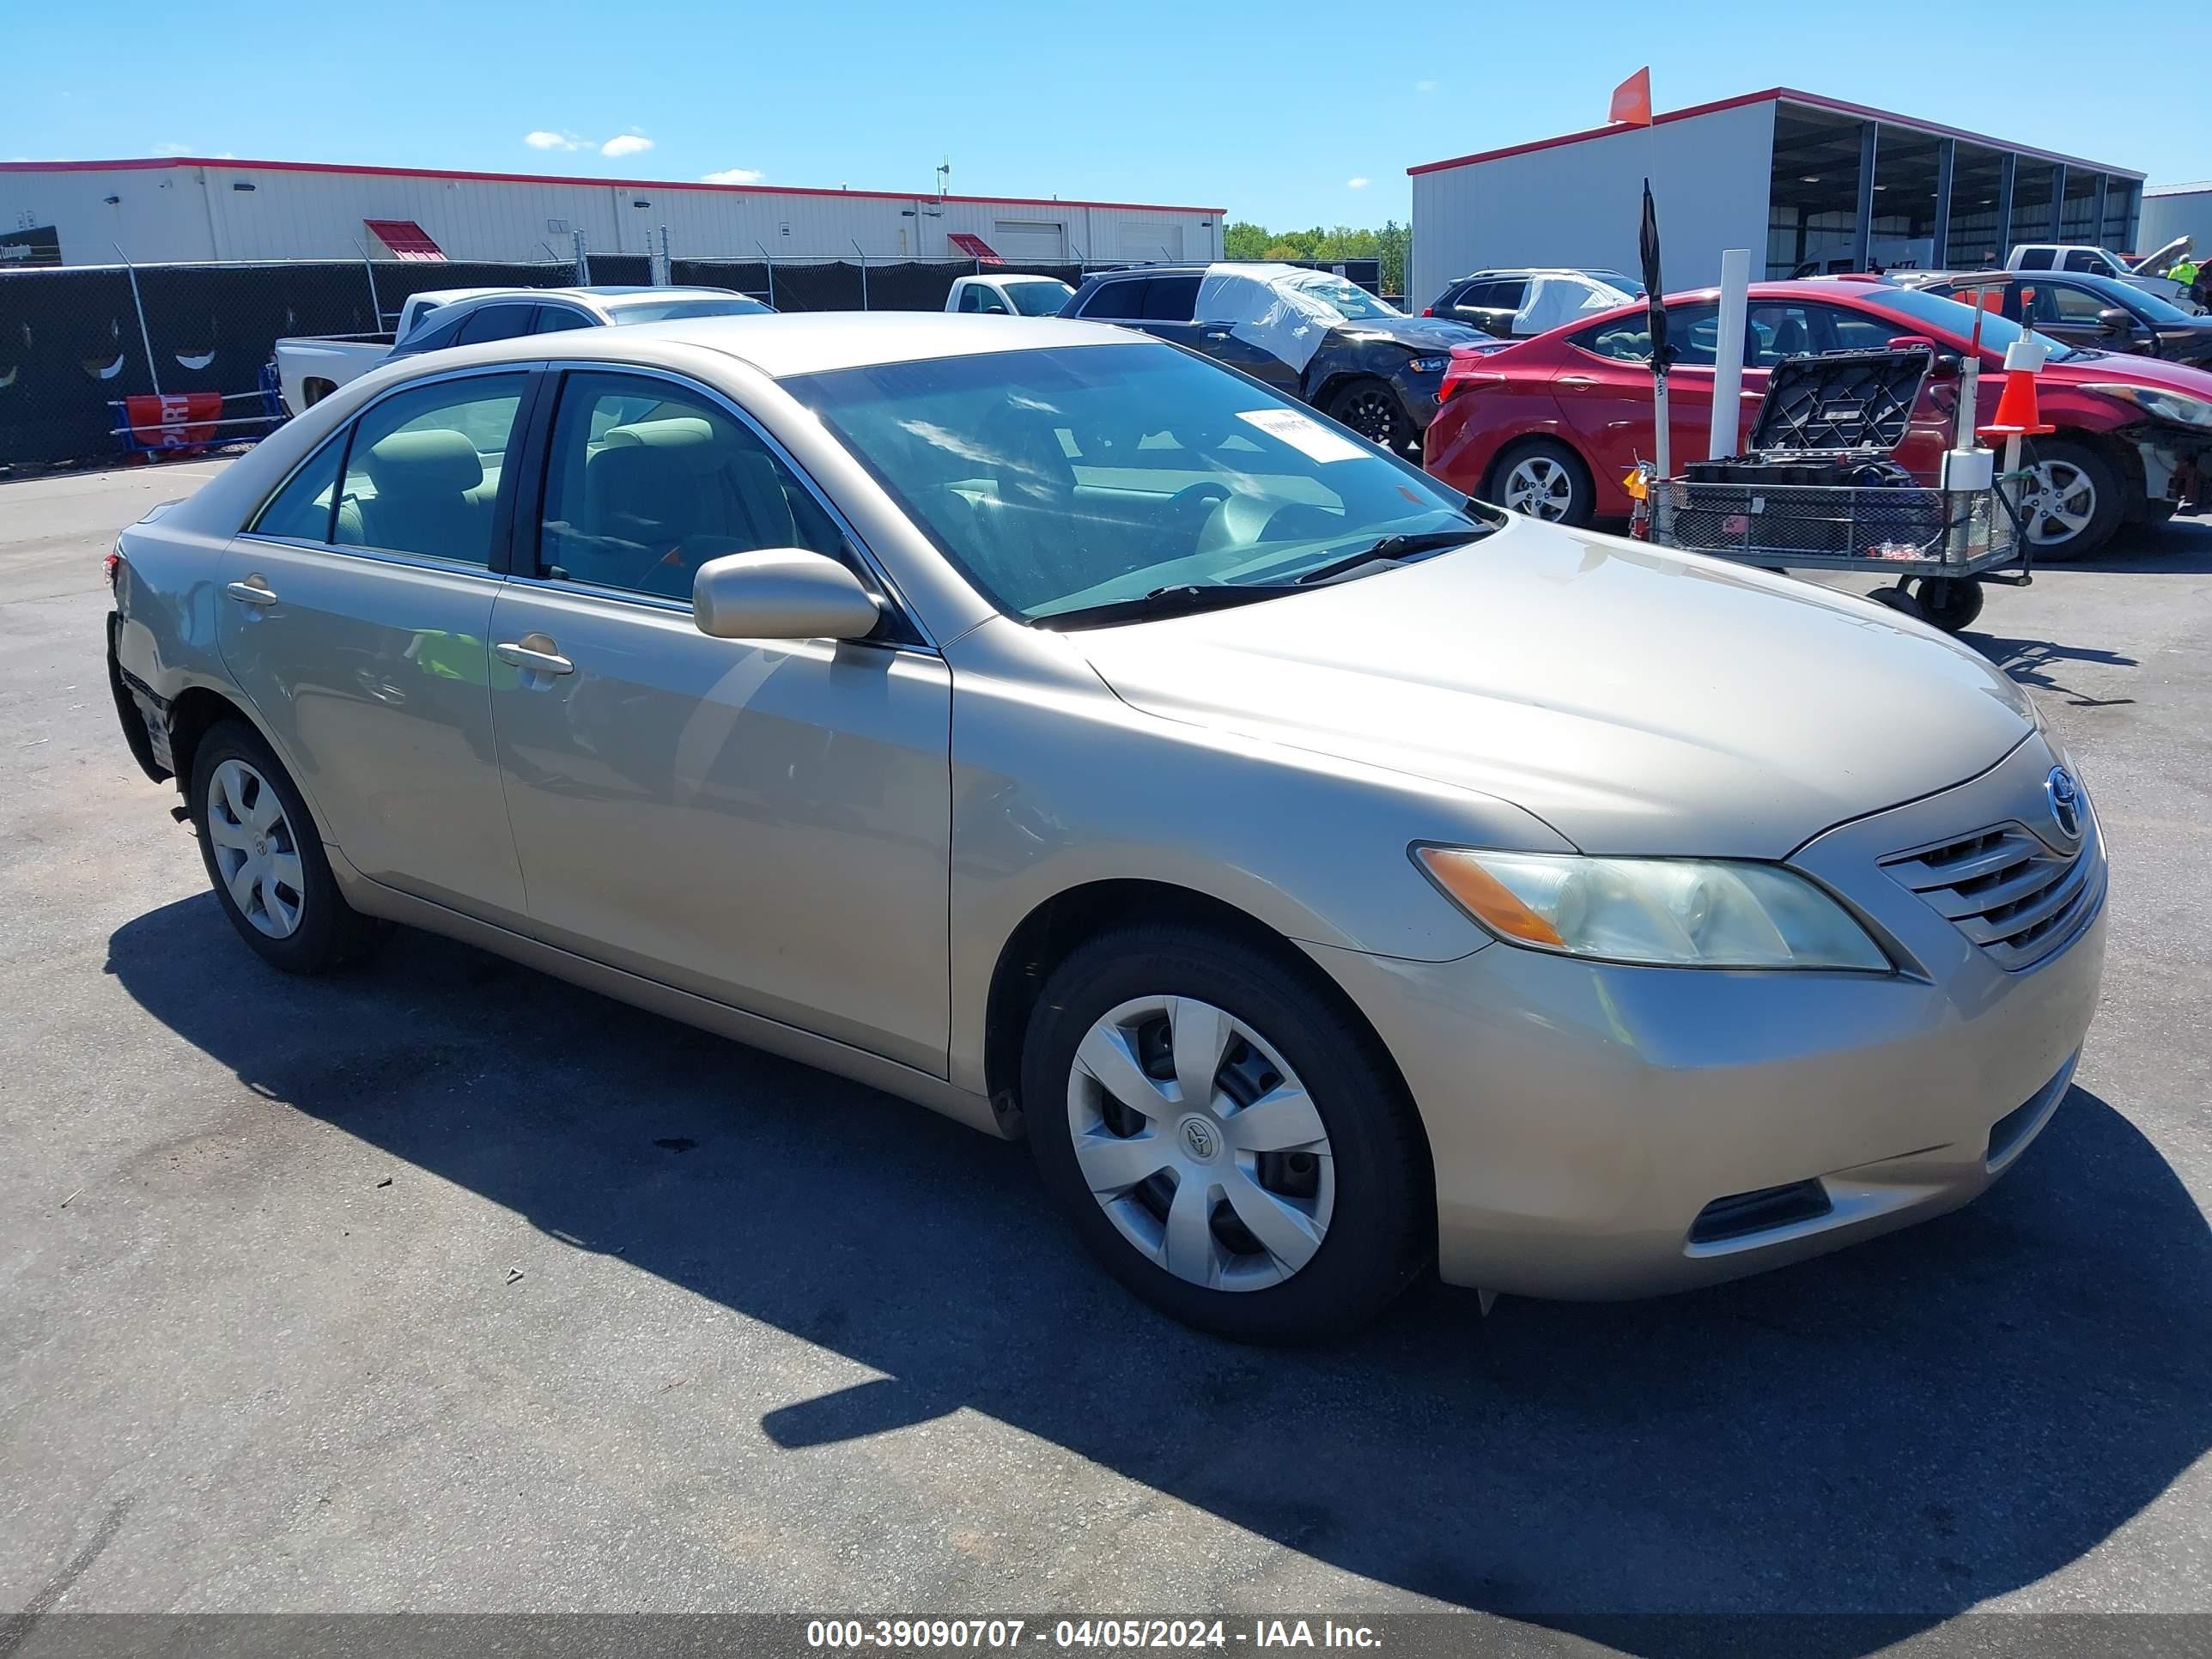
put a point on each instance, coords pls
(1222, 1137)
(1372, 409)
(2071, 505)
(264, 856)
(1545, 480)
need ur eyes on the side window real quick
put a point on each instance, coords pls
(554, 319)
(1114, 302)
(496, 322)
(1856, 331)
(423, 474)
(2084, 258)
(1625, 339)
(971, 298)
(1776, 332)
(2036, 258)
(301, 509)
(2079, 305)
(989, 301)
(647, 480)
(1170, 299)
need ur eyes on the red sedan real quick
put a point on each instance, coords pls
(1552, 425)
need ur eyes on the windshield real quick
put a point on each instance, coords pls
(1355, 302)
(669, 311)
(1061, 479)
(1038, 299)
(1933, 311)
(2129, 297)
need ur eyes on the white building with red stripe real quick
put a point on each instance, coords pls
(194, 208)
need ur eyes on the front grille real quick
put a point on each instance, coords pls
(2006, 890)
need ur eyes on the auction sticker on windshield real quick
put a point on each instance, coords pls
(1308, 437)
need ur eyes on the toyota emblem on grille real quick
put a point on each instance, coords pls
(2065, 802)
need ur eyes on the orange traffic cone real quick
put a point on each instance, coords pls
(2017, 416)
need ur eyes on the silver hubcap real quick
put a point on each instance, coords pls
(1200, 1144)
(255, 852)
(1539, 487)
(2059, 503)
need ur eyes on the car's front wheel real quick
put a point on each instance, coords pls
(1223, 1137)
(2071, 505)
(1372, 408)
(265, 857)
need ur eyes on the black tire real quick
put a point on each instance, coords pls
(1949, 603)
(1898, 598)
(328, 933)
(1371, 408)
(2091, 470)
(1382, 1231)
(1579, 503)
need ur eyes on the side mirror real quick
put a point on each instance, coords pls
(1946, 366)
(2118, 321)
(780, 594)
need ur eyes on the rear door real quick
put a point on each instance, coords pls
(354, 613)
(1492, 305)
(1606, 391)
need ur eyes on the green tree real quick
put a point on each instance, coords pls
(1244, 240)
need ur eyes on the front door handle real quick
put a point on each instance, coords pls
(254, 590)
(536, 653)
(1577, 379)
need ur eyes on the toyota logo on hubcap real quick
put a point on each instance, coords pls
(2065, 802)
(1199, 1136)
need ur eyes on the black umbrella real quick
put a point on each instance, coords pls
(1647, 243)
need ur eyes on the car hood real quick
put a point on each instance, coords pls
(1420, 333)
(1636, 700)
(2129, 369)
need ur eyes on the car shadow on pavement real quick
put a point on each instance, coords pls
(1907, 1428)
(2179, 547)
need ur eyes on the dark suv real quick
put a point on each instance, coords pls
(1308, 333)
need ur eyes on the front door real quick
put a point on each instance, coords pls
(354, 614)
(764, 823)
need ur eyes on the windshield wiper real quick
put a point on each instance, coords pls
(1391, 549)
(1184, 600)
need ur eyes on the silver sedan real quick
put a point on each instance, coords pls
(1329, 876)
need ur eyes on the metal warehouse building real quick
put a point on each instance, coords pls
(2172, 210)
(187, 208)
(1808, 179)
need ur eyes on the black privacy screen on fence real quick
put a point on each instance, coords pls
(70, 342)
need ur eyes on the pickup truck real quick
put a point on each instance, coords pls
(310, 367)
(1009, 295)
(2094, 261)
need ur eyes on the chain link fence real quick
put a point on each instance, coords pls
(77, 341)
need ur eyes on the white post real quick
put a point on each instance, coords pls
(1662, 461)
(153, 369)
(1727, 431)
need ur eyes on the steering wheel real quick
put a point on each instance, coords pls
(1190, 509)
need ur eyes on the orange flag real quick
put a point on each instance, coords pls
(1631, 100)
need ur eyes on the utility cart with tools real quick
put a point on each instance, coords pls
(1819, 488)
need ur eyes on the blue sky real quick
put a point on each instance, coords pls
(1277, 119)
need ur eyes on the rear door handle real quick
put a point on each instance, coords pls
(534, 652)
(252, 590)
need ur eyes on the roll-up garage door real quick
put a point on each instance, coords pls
(1029, 239)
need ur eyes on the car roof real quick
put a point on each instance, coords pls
(807, 342)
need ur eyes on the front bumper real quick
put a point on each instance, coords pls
(1583, 1116)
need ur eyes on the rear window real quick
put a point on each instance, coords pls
(1123, 301)
(669, 311)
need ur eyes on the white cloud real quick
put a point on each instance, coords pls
(172, 147)
(733, 176)
(626, 144)
(1425, 86)
(1355, 184)
(542, 139)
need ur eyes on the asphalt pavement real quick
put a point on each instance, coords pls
(445, 1287)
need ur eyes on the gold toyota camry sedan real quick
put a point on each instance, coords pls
(1327, 874)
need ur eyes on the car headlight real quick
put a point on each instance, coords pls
(1428, 365)
(1670, 913)
(2175, 407)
